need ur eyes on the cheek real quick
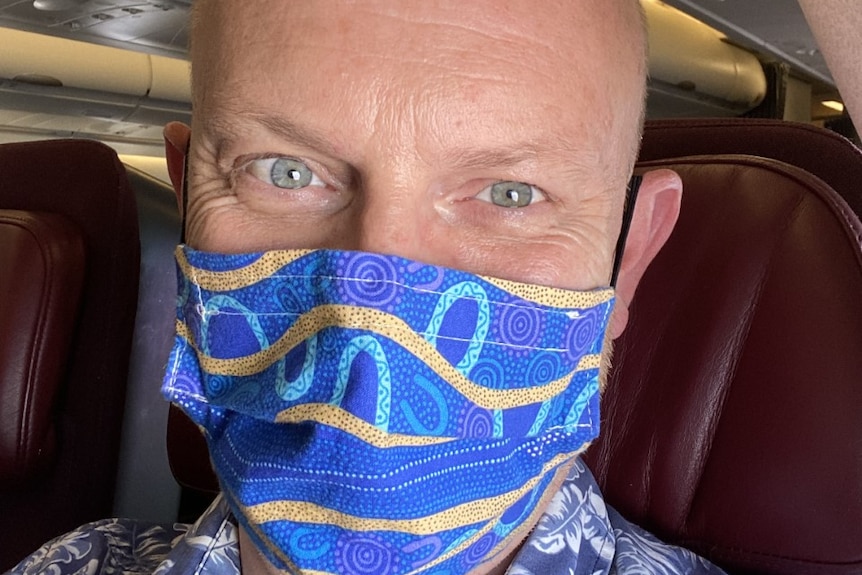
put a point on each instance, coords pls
(562, 260)
(230, 229)
(222, 229)
(568, 248)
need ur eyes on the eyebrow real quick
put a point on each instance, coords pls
(500, 157)
(290, 131)
(504, 156)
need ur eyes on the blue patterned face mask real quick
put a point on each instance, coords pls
(371, 414)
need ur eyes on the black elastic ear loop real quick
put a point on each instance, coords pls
(628, 212)
(185, 192)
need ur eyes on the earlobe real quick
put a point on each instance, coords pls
(176, 136)
(653, 221)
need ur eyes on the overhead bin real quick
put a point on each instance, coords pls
(38, 59)
(52, 87)
(693, 71)
(691, 61)
(170, 79)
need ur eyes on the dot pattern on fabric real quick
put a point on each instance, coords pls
(367, 414)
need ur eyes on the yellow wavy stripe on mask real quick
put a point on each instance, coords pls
(422, 568)
(457, 549)
(553, 297)
(273, 548)
(398, 331)
(458, 516)
(338, 418)
(266, 265)
(531, 521)
(271, 262)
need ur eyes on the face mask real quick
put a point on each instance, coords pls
(370, 414)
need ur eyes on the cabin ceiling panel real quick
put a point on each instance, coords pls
(155, 26)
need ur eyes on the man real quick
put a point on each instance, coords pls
(495, 138)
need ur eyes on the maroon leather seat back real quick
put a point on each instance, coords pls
(43, 255)
(69, 262)
(824, 154)
(733, 416)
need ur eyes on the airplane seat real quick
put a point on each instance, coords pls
(732, 420)
(826, 154)
(68, 290)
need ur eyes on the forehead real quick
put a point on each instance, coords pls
(574, 66)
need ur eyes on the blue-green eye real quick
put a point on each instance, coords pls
(290, 174)
(284, 172)
(511, 194)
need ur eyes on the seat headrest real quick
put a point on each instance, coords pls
(37, 319)
(824, 154)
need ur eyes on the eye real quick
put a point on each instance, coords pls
(511, 194)
(284, 172)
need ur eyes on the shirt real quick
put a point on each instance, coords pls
(578, 534)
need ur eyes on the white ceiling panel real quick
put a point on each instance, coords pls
(155, 26)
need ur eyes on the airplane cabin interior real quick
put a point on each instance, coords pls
(740, 100)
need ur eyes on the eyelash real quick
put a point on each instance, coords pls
(263, 169)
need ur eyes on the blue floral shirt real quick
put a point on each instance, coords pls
(578, 534)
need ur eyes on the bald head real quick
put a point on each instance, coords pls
(558, 57)
(411, 107)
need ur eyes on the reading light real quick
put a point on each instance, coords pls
(833, 105)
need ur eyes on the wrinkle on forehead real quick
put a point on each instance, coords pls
(461, 52)
(554, 27)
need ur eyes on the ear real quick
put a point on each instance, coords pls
(655, 215)
(177, 136)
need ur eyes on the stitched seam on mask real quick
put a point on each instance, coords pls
(181, 393)
(175, 392)
(537, 307)
(543, 442)
(364, 489)
(422, 333)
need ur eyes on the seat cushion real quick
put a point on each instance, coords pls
(38, 310)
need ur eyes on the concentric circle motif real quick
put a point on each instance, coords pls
(478, 551)
(287, 297)
(244, 396)
(488, 373)
(477, 423)
(544, 368)
(217, 385)
(520, 326)
(185, 384)
(370, 280)
(364, 555)
(581, 334)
